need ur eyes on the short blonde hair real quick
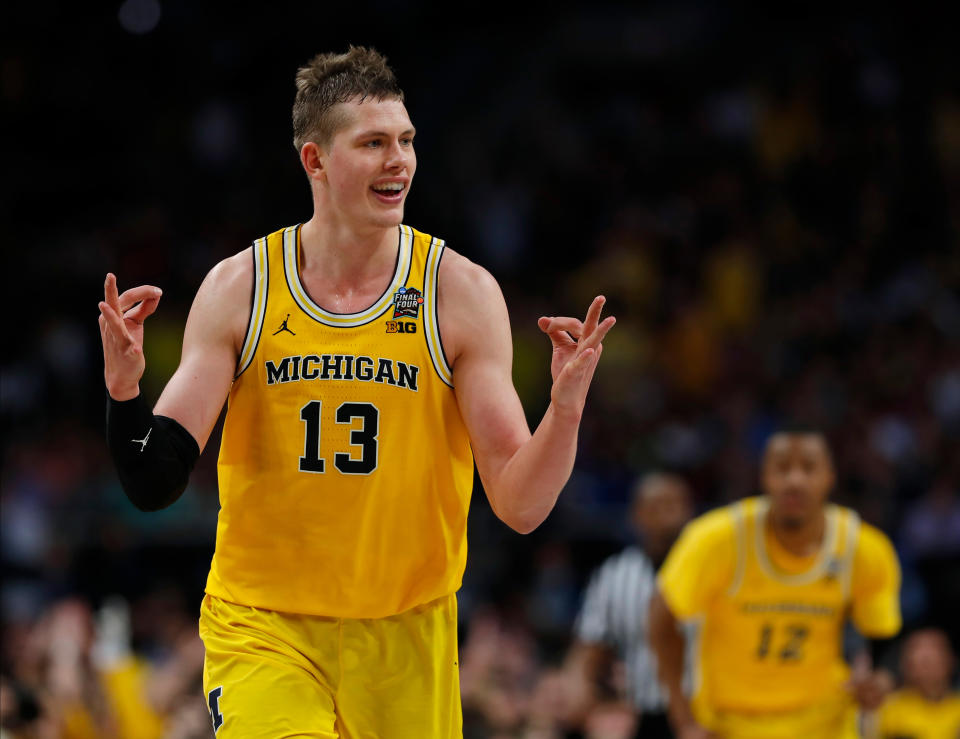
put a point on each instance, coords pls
(329, 79)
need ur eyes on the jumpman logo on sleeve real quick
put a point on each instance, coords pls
(283, 327)
(143, 441)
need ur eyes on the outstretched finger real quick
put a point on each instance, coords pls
(140, 313)
(593, 315)
(114, 324)
(593, 340)
(136, 294)
(110, 296)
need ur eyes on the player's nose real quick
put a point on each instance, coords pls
(398, 156)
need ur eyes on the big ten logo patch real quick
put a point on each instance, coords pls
(407, 302)
(401, 327)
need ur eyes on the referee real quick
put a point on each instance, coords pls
(612, 623)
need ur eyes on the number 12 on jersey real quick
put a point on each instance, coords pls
(364, 437)
(792, 647)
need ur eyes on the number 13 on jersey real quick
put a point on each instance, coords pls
(357, 462)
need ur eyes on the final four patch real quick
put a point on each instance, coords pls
(833, 569)
(407, 302)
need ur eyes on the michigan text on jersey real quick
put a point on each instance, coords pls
(342, 367)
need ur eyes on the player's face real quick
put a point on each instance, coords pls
(370, 162)
(797, 475)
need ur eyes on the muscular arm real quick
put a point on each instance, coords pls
(212, 340)
(522, 473)
(155, 452)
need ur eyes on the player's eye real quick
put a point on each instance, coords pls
(406, 141)
(373, 144)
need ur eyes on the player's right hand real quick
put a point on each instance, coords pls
(121, 331)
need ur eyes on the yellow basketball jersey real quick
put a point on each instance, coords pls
(772, 642)
(908, 715)
(345, 467)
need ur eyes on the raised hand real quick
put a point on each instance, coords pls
(869, 687)
(576, 350)
(121, 331)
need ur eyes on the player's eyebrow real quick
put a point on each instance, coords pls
(374, 134)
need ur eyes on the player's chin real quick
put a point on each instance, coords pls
(388, 217)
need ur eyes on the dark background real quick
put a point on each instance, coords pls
(771, 205)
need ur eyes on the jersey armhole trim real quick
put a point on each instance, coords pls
(850, 552)
(431, 319)
(740, 543)
(258, 309)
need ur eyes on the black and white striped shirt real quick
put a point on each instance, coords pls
(615, 613)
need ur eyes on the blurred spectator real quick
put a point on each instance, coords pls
(76, 677)
(498, 671)
(927, 706)
(612, 625)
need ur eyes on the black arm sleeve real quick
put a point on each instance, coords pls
(154, 455)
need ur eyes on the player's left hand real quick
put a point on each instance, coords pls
(576, 350)
(869, 688)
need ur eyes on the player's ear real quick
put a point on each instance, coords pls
(312, 159)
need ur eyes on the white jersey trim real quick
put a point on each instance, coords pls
(740, 540)
(291, 250)
(431, 319)
(258, 310)
(853, 533)
(817, 569)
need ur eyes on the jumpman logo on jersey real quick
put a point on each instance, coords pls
(283, 327)
(143, 441)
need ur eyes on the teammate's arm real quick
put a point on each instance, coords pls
(875, 592)
(699, 567)
(154, 452)
(669, 644)
(521, 473)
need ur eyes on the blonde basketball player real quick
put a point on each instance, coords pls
(772, 581)
(367, 366)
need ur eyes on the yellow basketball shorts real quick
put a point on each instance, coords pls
(271, 674)
(834, 718)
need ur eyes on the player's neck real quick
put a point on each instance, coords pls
(802, 539)
(346, 255)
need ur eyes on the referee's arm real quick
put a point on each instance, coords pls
(591, 655)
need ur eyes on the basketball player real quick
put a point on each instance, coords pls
(367, 367)
(773, 580)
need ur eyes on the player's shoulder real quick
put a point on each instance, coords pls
(222, 304)
(715, 525)
(460, 276)
(873, 543)
(473, 311)
(232, 277)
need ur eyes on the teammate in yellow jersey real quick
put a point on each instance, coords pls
(367, 367)
(772, 581)
(926, 707)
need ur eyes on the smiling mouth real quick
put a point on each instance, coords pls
(391, 191)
